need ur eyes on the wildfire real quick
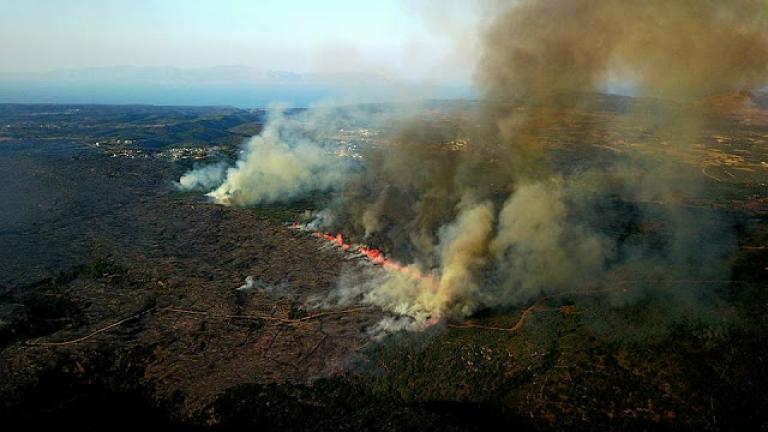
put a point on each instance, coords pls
(338, 240)
(376, 256)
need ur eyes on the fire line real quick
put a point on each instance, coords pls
(374, 255)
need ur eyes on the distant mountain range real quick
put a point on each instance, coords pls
(240, 86)
(217, 75)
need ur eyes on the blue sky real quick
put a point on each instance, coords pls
(412, 40)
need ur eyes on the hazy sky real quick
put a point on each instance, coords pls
(400, 38)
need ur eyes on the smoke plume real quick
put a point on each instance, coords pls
(289, 158)
(501, 221)
(203, 178)
(497, 207)
(677, 48)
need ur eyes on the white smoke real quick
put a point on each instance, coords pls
(203, 178)
(289, 158)
(250, 283)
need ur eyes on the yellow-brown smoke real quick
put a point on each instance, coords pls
(482, 202)
(541, 63)
(682, 48)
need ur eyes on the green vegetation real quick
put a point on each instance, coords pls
(293, 211)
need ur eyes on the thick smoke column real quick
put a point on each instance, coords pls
(499, 223)
(479, 203)
(669, 48)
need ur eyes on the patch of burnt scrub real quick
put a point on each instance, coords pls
(344, 404)
(100, 390)
(50, 305)
(729, 369)
(38, 310)
(297, 310)
(749, 275)
(102, 268)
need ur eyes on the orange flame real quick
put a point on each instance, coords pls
(373, 255)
